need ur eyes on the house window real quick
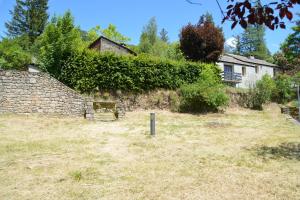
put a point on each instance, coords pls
(244, 71)
(256, 69)
(228, 69)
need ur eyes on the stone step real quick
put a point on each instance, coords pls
(121, 115)
(104, 117)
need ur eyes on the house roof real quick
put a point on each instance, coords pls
(242, 60)
(118, 44)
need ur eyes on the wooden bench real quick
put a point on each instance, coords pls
(105, 110)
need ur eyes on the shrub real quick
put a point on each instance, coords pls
(296, 78)
(261, 93)
(89, 70)
(284, 91)
(12, 55)
(207, 94)
(76, 175)
(265, 88)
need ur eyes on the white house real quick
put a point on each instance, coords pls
(243, 72)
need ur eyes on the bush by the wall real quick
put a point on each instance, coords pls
(296, 78)
(261, 93)
(88, 70)
(283, 92)
(207, 94)
(267, 89)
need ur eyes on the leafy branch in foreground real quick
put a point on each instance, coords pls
(247, 12)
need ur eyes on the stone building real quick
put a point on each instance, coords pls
(103, 44)
(244, 72)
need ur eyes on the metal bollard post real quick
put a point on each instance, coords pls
(298, 94)
(152, 124)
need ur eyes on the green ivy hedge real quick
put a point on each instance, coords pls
(89, 70)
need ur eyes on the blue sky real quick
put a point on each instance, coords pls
(131, 15)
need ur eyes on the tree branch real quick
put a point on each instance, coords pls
(220, 8)
(192, 2)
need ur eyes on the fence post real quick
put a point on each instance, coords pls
(152, 124)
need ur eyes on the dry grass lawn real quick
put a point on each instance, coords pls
(241, 154)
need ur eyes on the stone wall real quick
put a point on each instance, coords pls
(157, 99)
(26, 92)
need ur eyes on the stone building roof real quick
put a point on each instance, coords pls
(242, 60)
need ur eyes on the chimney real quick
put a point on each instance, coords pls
(33, 68)
(251, 57)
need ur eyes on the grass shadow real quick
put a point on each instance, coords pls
(289, 151)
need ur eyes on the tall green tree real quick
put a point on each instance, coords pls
(17, 26)
(238, 47)
(29, 18)
(145, 46)
(252, 42)
(291, 46)
(112, 33)
(58, 42)
(148, 36)
(158, 45)
(164, 35)
(289, 57)
(207, 17)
